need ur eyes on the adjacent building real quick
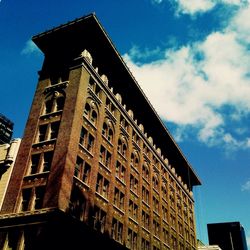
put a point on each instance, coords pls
(228, 235)
(6, 129)
(96, 168)
(8, 153)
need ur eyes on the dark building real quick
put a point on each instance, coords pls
(229, 235)
(6, 129)
(97, 168)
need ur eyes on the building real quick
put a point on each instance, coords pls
(96, 167)
(8, 153)
(6, 129)
(210, 247)
(228, 235)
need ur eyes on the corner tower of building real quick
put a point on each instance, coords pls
(95, 160)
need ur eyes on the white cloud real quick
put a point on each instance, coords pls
(30, 48)
(246, 186)
(192, 85)
(193, 7)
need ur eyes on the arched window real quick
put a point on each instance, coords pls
(54, 102)
(122, 146)
(155, 180)
(90, 112)
(135, 160)
(107, 130)
(145, 171)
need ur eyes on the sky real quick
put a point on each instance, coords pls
(192, 60)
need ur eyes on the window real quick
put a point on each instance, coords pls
(119, 199)
(42, 132)
(39, 194)
(120, 171)
(124, 123)
(102, 186)
(136, 138)
(122, 146)
(173, 243)
(144, 244)
(82, 170)
(155, 182)
(59, 103)
(145, 172)
(107, 131)
(165, 234)
(54, 127)
(156, 228)
(48, 106)
(133, 184)
(134, 160)
(110, 106)
(132, 240)
(86, 140)
(90, 112)
(172, 220)
(99, 219)
(155, 204)
(117, 228)
(55, 103)
(164, 190)
(172, 196)
(105, 157)
(145, 194)
(47, 159)
(145, 219)
(26, 197)
(133, 210)
(165, 213)
(180, 228)
(34, 163)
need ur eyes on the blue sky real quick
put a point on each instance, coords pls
(192, 60)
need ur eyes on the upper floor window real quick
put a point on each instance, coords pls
(99, 219)
(156, 228)
(110, 106)
(48, 131)
(122, 146)
(82, 170)
(145, 171)
(117, 229)
(105, 157)
(119, 198)
(155, 204)
(145, 194)
(132, 240)
(94, 86)
(124, 123)
(102, 186)
(136, 138)
(155, 181)
(144, 244)
(90, 112)
(120, 171)
(134, 183)
(107, 131)
(135, 160)
(133, 209)
(54, 103)
(145, 219)
(86, 139)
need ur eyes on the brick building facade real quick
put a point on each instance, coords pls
(96, 162)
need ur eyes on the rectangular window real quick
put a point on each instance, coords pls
(133, 184)
(54, 127)
(155, 204)
(86, 140)
(145, 219)
(105, 157)
(34, 163)
(120, 171)
(119, 199)
(165, 235)
(144, 244)
(132, 240)
(26, 197)
(99, 219)
(165, 213)
(145, 195)
(82, 170)
(102, 186)
(47, 160)
(42, 133)
(39, 194)
(156, 228)
(133, 210)
(117, 229)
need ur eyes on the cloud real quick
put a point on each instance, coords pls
(30, 48)
(204, 85)
(246, 186)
